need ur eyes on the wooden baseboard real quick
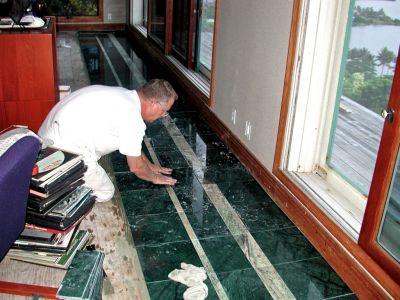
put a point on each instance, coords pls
(350, 261)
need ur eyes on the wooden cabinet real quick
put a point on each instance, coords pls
(28, 75)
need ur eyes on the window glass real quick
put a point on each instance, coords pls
(72, 8)
(180, 26)
(364, 87)
(206, 33)
(388, 236)
(157, 19)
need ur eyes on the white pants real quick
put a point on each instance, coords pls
(95, 177)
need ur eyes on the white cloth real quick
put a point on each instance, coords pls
(197, 292)
(95, 121)
(187, 277)
(192, 277)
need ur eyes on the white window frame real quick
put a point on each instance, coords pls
(322, 33)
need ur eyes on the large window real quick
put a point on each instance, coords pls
(69, 11)
(348, 51)
(183, 29)
(340, 155)
(193, 32)
(73, 8)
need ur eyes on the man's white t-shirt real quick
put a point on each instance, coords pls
(97, 120)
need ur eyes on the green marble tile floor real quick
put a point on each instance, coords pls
(212, 184)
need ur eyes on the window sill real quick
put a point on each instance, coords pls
(141, 29)
(202, 83)
(345, 210)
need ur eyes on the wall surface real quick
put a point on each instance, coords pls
(252, 45)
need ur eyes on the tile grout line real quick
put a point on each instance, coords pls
(189, 229)
(264, 268)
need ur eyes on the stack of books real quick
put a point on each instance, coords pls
(58, 201)
(57, 256)
(58, 198)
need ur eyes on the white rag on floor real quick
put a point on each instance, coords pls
(192, 277)
(197, 292)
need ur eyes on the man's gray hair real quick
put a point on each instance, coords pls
(159, 90)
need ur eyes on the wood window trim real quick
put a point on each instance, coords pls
(149, 8)
(84, 19)
(291, 194)
(169, 10)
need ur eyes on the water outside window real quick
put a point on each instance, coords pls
(364, 88)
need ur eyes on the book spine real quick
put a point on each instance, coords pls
(47, 229)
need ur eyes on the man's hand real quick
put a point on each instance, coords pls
(145, 170)
(159, 174)
(162, 179)
(160, 170)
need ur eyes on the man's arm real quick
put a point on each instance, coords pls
(143, 168)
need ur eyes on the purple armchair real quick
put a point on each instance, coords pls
(16, 166)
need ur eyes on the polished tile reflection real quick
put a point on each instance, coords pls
(202, 165)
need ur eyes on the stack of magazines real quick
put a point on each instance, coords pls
(57, 251)
(57, 197)
(58, 201)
